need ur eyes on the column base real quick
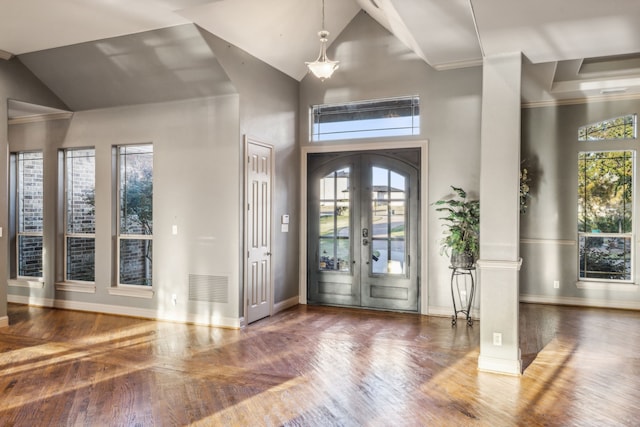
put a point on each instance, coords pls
(500, 366)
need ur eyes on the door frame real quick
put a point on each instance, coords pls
(245, 289)
(423, 240)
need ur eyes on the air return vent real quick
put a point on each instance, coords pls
(208, 288)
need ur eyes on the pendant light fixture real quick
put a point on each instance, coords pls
(323, 67)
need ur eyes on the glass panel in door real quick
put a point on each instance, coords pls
(333, 222)
(388, 222)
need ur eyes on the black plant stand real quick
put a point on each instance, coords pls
(462, 291)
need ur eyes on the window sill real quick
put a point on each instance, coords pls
(27, 283)
(87, 288)
(131, 291)
(607, 286)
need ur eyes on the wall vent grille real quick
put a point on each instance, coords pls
(208, 288)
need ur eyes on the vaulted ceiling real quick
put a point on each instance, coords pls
(555, 36)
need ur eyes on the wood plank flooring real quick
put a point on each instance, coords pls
(316, 366)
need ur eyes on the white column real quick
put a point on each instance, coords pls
(499, 262)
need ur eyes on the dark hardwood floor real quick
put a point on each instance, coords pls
(316, 366)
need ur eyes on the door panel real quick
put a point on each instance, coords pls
(363, 212)
(258, 229)
(331, 251)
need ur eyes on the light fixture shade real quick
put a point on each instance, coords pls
(323, 67)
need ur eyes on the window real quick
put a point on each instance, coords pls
(135, 214)
(366, 119)
(605, 213)
(80, 224)
(617, 128)
(29, 212)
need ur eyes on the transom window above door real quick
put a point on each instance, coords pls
(366, 119)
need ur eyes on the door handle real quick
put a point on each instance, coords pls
(365, 242)
(267, 253)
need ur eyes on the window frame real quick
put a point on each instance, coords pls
(66, 234)
(16, 233)
(600, 146)
(363, 107)
(128, 289)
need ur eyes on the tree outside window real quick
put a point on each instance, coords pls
(605, 202)
(135, 214)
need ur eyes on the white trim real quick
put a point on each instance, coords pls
(585, 85)
(5, 55)
(500, 366)
(439, 311)
(486, 264)
(131, 291)
(40, 118)
(578, 101)
(26, 283)
(458, 64)
(4, 321)
(424, 198)
(190, 318)
(86, 288)
(607, 286)
(283, 305)
(563, 242)
(581, 302)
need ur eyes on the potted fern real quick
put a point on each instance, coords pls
(462, 228)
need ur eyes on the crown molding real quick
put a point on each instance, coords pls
(40, 118)
(577, 101)
(5, 55)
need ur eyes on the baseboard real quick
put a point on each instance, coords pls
(4, 321)
(448, 312)
(499, 366)
(283, 305)
(582, 302)
(214, 320)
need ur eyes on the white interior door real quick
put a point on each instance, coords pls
(258, 275)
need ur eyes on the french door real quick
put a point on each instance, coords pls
(362, 231)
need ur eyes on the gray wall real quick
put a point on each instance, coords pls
(16, 82)
(374, 64)
(198, 186)
(548, 230)
(268, 112)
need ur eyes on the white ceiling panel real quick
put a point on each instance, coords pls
(32, 25)
(282, 33)
(552, 30)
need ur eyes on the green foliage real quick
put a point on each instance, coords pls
(605, 188)
(137, 201)
(617, 128)
(462, 223)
